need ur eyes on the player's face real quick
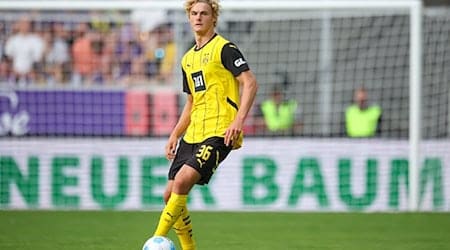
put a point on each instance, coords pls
(201, 18)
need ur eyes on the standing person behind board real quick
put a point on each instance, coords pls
(361, 119)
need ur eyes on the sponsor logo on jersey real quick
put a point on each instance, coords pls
(239, 62)
(199, 81)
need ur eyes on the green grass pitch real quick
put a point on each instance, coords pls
(119, 230)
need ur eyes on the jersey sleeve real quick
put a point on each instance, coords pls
(233, 60)
(185, 83)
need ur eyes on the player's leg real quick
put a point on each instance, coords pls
(167, 191)
(199, 169)
(181, 185)
(206, 159)
(183, 229)
(183, 226)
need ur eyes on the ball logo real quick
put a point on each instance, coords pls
(16, 124)
(239, 62)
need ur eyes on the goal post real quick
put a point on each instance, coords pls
(311, 65)
(415, 102)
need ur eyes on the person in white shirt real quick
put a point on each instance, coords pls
(24, 49)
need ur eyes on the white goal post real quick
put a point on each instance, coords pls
(413, 8)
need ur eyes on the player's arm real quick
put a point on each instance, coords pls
(249, 87)
(179, 129)
(183, 122)
(234, 61)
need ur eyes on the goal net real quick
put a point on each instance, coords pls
(85, 114)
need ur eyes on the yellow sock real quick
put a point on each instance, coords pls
(170, 213)
(183, 228)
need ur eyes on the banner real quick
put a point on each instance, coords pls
(65, 112)
(266, 174)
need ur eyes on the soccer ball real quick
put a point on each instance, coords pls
(158, 243)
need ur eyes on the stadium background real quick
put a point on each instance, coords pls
(97, 143)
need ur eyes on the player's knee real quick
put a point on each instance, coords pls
(182, 185)
(168, 191)
(166, 195)
(185, 180)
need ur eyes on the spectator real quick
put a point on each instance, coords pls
(108, 64)
(167, 58)
(57, 57)
(5, 71)
(161, 53)
(25, 49)
(130, 55)
(361, 119)
(3, 35)
(85, 55)
(280, 114)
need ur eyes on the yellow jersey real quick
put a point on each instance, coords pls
(209, 75)
(362, 122)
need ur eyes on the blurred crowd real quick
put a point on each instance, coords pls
(84, 51)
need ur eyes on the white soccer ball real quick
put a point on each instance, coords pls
(159, 243)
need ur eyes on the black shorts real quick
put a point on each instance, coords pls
(203, 157)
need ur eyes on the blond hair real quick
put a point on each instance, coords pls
(213, 3)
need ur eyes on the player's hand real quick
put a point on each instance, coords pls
(232, 133)
(171, 147)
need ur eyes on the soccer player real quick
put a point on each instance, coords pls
(220, 90)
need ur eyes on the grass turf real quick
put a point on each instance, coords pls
(117, 230)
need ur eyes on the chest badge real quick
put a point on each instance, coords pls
(205, 58)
